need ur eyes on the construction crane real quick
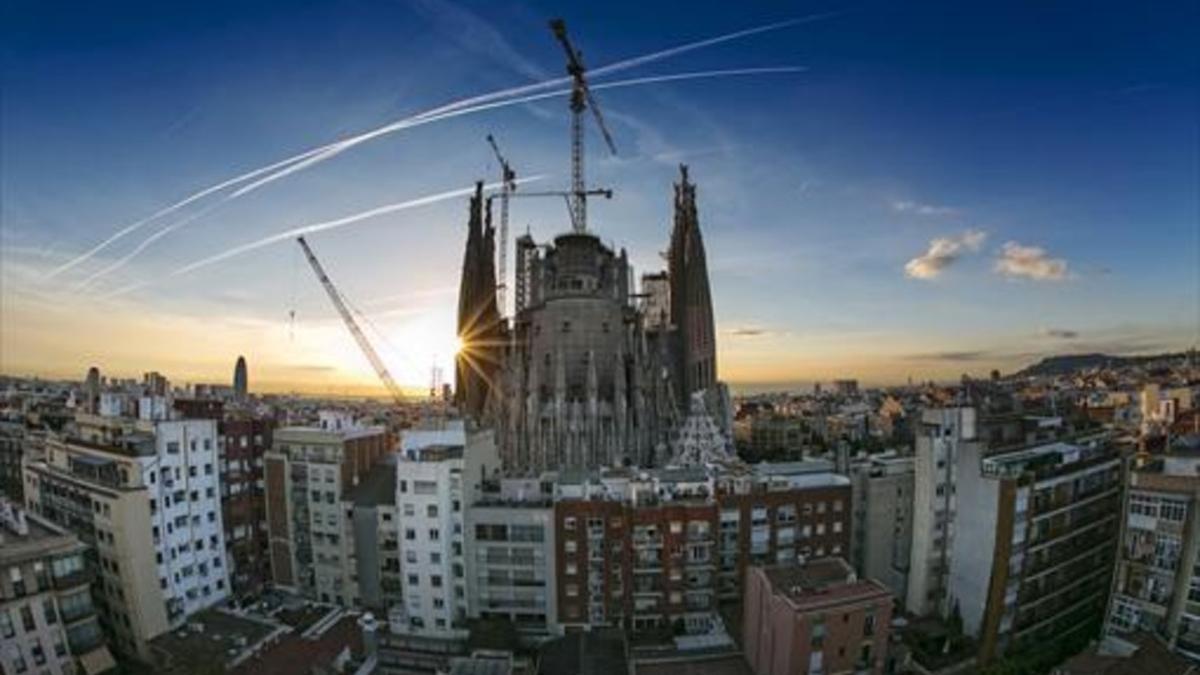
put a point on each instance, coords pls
(581, 99)
(566, 195)
(508, 184)
(343, 308)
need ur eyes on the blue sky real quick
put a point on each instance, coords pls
(947, 188)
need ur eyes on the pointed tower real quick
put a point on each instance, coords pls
(695, 352)
(479, 330)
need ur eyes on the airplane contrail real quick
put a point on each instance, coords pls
(339, 222)
(175, 207)
(456, 105)
(336, 148)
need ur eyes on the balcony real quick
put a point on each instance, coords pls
(78, 578)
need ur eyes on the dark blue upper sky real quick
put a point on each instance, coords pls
(949, 186)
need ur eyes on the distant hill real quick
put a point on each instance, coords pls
(1070, 363)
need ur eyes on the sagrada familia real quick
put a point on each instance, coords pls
(591, 372)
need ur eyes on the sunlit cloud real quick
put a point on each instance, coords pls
(1029, 262)
(942, 253)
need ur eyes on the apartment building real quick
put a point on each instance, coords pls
(376, 535)
(244, 442)
(308, 473)
(1156, 585)
(144, 496)
(942, 435)
(813, 617)
(636, 549)
(658, 549)
(441, 469)
(510, 558)
(47, 621)
(1033, 554)
(882, 525)
(774, 512)
(12, 447)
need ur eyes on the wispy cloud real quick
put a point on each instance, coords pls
(475, 35)
(1029, 262)
(1059, 333)
(942, 253)
(917, 208)
(958, 356)
(749, 332)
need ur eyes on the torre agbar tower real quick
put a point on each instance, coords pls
(584, 377)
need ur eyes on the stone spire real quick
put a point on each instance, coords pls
(691, 301)
(479, 330)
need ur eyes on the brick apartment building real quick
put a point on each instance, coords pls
(660, 548)
(814, 617)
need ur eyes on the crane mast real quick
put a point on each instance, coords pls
(581, 100)
(508, 183)
(344, 310)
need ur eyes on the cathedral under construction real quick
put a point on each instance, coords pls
(590, 372)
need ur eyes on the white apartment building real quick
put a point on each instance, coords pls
(440, 470)
(510, 560)
(939, 439)
(146, 497)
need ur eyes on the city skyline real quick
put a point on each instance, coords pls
(1022, 186)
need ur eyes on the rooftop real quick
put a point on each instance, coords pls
(1049, 457)
(211, 637)
(821, 582)
(24, 536)
(378, 486)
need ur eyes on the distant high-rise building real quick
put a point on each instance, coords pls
(91, 391)
(240, 383)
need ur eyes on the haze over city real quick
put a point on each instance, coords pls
(886, 191)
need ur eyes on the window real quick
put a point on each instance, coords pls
(817, 636)
(48, 610)
(410, 534)
(27, 618)
(431, 511)
(569, 524)
(868, 625)
(435, 580)
(434, 534)
(410, 510)
(6, 624)
(414, 580)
